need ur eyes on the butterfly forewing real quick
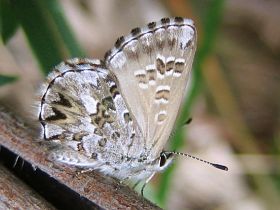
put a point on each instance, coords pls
(152, 65)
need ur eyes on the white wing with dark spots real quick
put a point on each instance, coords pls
(82, 108)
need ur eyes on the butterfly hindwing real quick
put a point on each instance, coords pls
(82, 109)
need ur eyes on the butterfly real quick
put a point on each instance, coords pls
(116, 115)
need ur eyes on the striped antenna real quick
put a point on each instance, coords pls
(218, 166)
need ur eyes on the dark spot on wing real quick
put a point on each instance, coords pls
(165, 20)
(119, 42)
(58, 115)
(152, 25)
(62, 101)
(160, 65)
(108, 103)
(179, 19)
(94, 155)
(135, 31)
(102, 142)
(127, 117)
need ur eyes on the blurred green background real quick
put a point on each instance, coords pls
(233, 97)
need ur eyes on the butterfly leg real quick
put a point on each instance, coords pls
(135, 185)
(146, 182)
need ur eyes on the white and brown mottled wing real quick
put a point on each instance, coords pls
(83, 111)
(152, 65)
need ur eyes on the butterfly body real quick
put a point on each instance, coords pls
(116, 116)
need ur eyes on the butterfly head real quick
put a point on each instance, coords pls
(165, 159)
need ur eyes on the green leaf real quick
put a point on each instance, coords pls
(65, 31)
(5, 79)
(8, 21)
(46, 30)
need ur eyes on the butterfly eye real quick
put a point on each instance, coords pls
(165, 158)
(162, 159)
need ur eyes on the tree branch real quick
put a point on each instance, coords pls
(17, 195)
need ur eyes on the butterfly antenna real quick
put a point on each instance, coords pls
(218, 166)
(188, 121)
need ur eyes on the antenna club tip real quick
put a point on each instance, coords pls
(224, 168)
